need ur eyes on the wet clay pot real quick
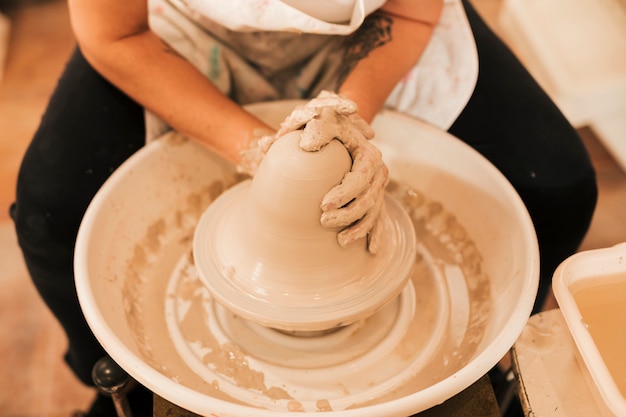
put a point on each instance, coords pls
(262, 252)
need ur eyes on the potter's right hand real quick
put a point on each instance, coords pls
(356, 204)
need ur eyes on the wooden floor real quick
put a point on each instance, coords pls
(33, 380)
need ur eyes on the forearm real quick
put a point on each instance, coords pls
(383, 51)
(150, 72)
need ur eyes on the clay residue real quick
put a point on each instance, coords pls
(147, 253)
(227, 359)
(437, 229)
(323, 405)
(449, 243)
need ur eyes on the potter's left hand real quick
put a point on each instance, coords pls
(357, 202)
(251, 157)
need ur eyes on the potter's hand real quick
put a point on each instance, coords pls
(250, 158)
(357, 203)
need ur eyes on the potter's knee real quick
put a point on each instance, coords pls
(580, 197)
(562, 215)
(39, 236)
(44, 225)
(561, 211)
(571, 195)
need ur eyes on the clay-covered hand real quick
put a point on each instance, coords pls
(250, 158)
(356, 204)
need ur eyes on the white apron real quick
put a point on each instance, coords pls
(263, 50)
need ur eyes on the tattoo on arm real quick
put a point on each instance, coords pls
(373, 33)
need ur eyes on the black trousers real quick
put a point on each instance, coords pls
(90, 128)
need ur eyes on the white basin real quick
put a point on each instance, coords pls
(478, 248)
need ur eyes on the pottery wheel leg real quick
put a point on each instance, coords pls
(112, 380)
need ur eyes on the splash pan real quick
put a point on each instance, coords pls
(469, 293)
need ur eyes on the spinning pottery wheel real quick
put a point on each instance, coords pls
(447, 304)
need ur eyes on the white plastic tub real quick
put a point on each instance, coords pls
(590, 288)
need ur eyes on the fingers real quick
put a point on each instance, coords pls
(353, 132)
(335, 214)
(362, 126)
(363, 215)
(367, 163)
(339, 104)
(312, 109)
(266, 141)
(320, 130)
(356, 203)
(251, 157)
(324, 118)
(375, 235)
(367, 224)
(299, 117)
(361, 205)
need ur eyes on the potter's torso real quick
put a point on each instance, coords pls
(260, 50)
(277, 34)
